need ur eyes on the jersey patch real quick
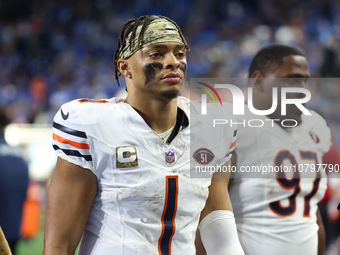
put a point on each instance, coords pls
(170, 157)
(126, 156)
(203, 156)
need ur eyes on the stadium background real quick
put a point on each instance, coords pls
(54, 51)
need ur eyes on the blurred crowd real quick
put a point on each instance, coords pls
(54, 51)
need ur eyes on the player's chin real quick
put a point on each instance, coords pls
(170, 93)
(172, 90)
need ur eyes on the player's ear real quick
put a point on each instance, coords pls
(257, 80)
(123, 66)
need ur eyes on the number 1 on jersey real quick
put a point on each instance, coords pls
(168, 217)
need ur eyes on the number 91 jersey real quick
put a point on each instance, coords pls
(146, 201)
(279, 181)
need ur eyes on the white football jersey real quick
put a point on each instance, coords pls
(275, 210)
(146, 201)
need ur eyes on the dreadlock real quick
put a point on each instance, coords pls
(131, 26)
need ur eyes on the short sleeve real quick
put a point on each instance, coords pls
(70, 140)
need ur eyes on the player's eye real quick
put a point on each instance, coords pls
(154, 55)
(180, 55)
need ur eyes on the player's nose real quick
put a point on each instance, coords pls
(171, 61)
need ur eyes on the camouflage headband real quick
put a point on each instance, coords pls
(158, 31)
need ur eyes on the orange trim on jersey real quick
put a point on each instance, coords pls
(164, 210)
(89, 100)
(74, 144)
(233, 144)
(316, 173)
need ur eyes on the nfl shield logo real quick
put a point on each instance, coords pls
(169, 157)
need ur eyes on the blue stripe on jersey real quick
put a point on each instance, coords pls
(168, 216)
(73, 153)
(69, 130)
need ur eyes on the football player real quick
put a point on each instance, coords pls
(122, 180)
(276, 210)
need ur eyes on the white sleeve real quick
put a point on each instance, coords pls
(70, 140)
(219, 234)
